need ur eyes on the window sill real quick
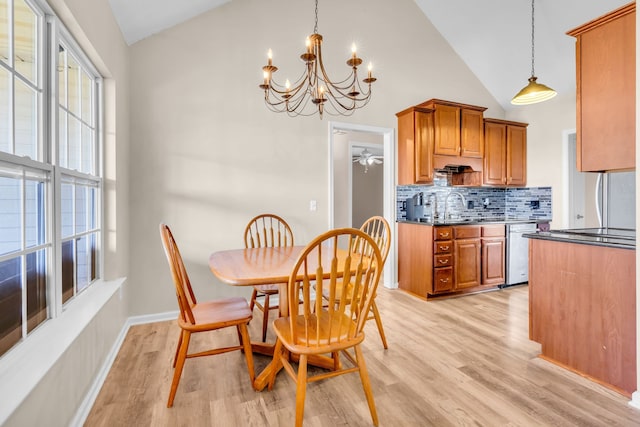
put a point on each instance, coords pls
(22, 368)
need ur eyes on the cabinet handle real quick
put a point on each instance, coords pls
(444, 280)
(443, 261)
(444, 248)
(444, 234)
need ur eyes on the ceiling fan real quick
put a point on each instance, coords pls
(367, 159)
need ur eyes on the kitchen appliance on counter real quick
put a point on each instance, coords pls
(418, 209)
(517, 266)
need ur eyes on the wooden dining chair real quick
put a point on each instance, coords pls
(337, 328)
(266, 230)
(378, 228)
(202, 316)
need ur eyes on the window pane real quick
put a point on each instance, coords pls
(62, 76)
(25, 39)
(4, 32)
(36, 289)
(10, 303)
(5, 111)
(87, 150)
(26, 117)
(63, 142)
(73, 85)
(35, 214)
(83, 263)
(93, 208)
(81, 209)
(10, 215)
(74, 134)
(67, 270)
(93, 256)
(87, 97)
(66, 211)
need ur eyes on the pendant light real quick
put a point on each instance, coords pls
(533, 92)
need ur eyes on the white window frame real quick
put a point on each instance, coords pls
(52, 33)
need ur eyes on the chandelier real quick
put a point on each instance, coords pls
(533, 92)
(314, 92)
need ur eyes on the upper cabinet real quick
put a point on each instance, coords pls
(415, 146)
(505, 155)
(458, 128)
(605, 79)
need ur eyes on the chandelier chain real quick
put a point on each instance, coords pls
(532, 37)
(315, 27)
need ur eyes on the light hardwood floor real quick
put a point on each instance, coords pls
(461, 361)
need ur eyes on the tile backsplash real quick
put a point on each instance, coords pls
(530, 203)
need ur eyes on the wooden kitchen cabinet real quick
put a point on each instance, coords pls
(415, 146)
(415, 258)
(443, 280)
(505, 154)
(458, 128)
(493, 254)
(467, 257)
(605, 83)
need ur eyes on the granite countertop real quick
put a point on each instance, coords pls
(621, 238)
(476, 221)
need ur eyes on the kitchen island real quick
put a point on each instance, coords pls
(582, 306)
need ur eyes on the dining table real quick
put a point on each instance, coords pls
(269, 265)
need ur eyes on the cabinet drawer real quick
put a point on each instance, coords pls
(443, 261)
(466, 232)
(442, 233)
(493, 231)
(442, 247)
(442, 279)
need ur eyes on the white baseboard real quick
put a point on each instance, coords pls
(635, 399)
(85, 407)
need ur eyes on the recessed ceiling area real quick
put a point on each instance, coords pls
(493, 37)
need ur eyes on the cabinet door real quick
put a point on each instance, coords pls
(606, 77)
(495, 153)
(442, 279)
(493, 261)
(447, 130)
(516, 155)
(467, 263)
(406, 151)
(423, 147)
(415, 258)
(471, 133)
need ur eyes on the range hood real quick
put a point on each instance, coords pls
(451, 169)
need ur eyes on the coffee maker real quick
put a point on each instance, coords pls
(417, 210)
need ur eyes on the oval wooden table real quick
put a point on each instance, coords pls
(261, 266)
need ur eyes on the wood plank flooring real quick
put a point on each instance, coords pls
(463, 361)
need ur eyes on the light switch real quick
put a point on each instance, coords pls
(313, 205)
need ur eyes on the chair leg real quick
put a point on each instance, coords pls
(301, 389)
(366, 384)
(248, 354)
(265, 317)
(177, 349)
(182, 356)
(376, 316)
(254, 294)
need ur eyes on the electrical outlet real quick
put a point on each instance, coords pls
(470, 204)
(313, 205)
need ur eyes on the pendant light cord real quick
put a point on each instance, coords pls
(532, 36)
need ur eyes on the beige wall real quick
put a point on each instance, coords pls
(210, 155)
(59, 394)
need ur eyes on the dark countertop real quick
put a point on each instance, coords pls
(476, 221)
(613, 237)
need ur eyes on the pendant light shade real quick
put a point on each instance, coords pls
(533, 92)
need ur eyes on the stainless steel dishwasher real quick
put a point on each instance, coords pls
(518, 253)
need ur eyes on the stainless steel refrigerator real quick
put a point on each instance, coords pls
(616, 200)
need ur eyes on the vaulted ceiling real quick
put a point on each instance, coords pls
(483, 33)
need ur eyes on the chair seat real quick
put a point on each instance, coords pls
(218, 313)
(314, 342)
(267, 289)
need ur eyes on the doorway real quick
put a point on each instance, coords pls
(345, 140)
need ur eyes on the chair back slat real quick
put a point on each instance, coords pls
(333, 259)
(378, 228)
(184, 292)
(268, 230)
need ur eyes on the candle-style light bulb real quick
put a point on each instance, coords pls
(308, 44)
(353, 50)
(287, 85)
(270, 56)
(370, 67)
